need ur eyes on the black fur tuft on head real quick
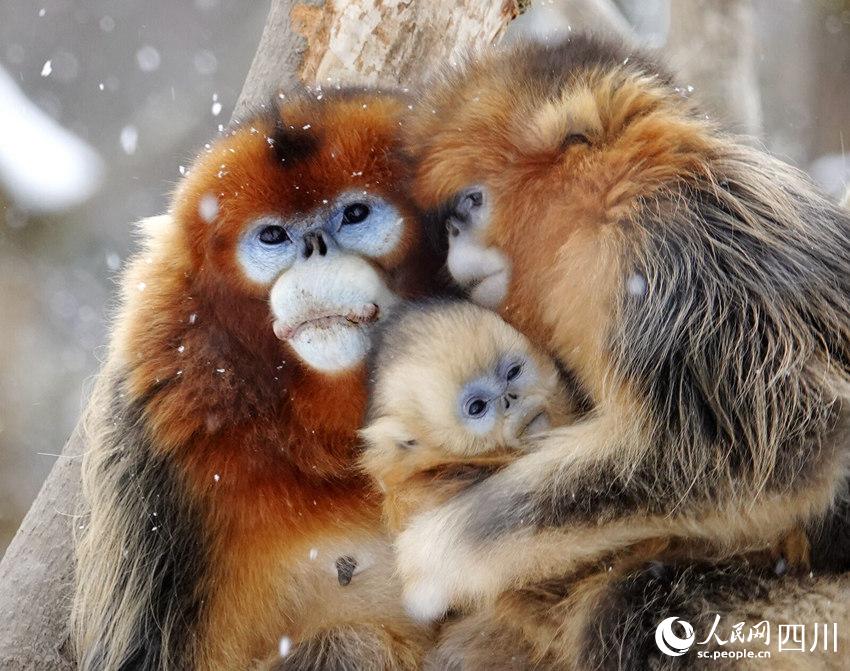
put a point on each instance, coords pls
(290, 144)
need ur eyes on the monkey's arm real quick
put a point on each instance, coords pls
(585, 492)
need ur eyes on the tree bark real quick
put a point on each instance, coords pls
(384, 42)
(36, 572)
(367, 42)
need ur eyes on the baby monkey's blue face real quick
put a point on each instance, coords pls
(454, 381)
(507, 401)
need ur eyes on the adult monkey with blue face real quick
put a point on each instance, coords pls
(696, 288)
(221, 474)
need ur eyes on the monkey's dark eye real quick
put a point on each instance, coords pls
(273, 235)
(575, 138)
(474, 199)
(355, 214)
(513, 372)
(475, 407)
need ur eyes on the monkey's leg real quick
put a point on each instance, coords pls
(588, 490)
(362, 647)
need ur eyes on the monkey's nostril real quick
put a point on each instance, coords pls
(323, 246)
(512, 396)
(315, 242)
(453, 230)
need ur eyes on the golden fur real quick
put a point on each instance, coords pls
(697, 289)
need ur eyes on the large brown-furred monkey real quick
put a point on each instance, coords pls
(696, 288)
(221, 476)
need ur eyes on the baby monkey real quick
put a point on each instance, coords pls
(456, 391)
(457, 394)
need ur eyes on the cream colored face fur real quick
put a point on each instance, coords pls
(457, 377)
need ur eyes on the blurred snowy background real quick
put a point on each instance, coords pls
(103, 101)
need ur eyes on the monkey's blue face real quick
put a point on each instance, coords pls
(481, 270)
(324, 269)
(355, 223)
(507, 401)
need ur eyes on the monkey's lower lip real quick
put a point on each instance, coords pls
(366, 315)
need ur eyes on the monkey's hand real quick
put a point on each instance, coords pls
(469, 549)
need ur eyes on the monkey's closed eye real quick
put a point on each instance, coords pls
(273, 235)
(513, 372)
(355, 214)
(574, 139)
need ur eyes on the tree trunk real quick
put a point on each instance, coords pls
(355, 41)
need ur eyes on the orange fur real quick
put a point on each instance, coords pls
(263, 446)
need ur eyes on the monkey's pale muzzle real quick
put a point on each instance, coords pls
(324, 309)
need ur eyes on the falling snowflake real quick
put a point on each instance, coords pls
(148, 59)
(129, 139)
(285, 646)
(47, 68)
(636, 285)
(205, 62)
(208, 207)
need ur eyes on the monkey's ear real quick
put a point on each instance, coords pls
(291, 144)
